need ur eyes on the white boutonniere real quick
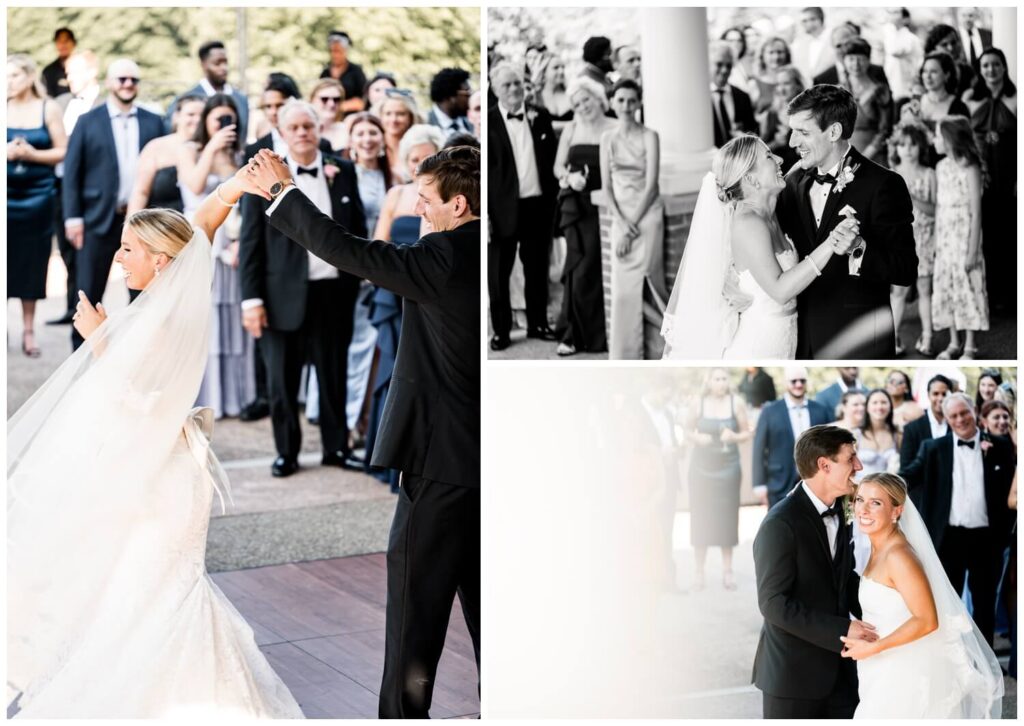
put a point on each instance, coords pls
(531, 115)
(331, 170)
(846, 175)
(848, 510)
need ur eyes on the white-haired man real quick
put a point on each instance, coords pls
(296, 303)
(961, 483)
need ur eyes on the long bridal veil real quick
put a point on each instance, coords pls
(81, 452)
(698, 319)
(968, 681)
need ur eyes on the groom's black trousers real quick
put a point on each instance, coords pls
(832, 707)
(433, 554)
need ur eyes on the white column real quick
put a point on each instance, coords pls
(677, 93)
(1004, 36)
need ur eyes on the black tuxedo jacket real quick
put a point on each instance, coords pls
(431, 421)
(743, 115)
(806, 600)
(930, 478)
(502, 178)
(267, 142)
(90, 167)
(272, 267)
(837, 299)
(830, 76)
(773, 466)
(915, 433)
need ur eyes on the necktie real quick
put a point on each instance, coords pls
(724, 122)
(968, 444)
(825, 179)
(510, 116)
(312, 171)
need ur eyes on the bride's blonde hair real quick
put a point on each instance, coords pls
(732, 162)
(891, 484)
(161, 230)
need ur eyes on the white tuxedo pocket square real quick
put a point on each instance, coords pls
(345, 200)
(997, 468)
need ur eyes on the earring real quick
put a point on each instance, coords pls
(156, 270)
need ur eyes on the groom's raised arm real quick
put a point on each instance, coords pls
(890, 255)
(416, 272)
(775, 566)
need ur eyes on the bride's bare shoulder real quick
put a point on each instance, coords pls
(901, 562)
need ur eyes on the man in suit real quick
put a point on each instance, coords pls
(836, 75)
(213, 58)
(597, 61)
(810, 50)
(450, 92)
(731, 109)
(773, 473)
(430, 429)
(521, 201)
(295, 303)
(962, 482)
(930, 426)
(831, 396)
(974, 38)
(55, 75)
(85, 94)
(99, 173)
(833, 190)
(807, 587)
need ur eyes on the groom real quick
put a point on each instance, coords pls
(845, 313)
(806, 586)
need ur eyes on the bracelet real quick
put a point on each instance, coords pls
(817, 270)
(220, 199)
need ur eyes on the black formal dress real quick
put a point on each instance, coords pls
(715, 484)
(164, 193)
(842, 315)
(305, 318)
(430, 432)
(974, 551)
(806, 596)
(30, 192)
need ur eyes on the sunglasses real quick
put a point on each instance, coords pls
(398, 92)
(125, 80)
(329, 99)
(798, 380)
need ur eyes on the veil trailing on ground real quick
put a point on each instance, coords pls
(699, 322)
(82, 451)
(968, 682)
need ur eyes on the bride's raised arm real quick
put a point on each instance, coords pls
(216, 207)
(752, 250)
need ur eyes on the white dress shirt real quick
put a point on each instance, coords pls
(209, 90)
(819, 194)
(277, 141)
(521, 136)
(799, 416)
(939, 428)
(968, 508)
(831, 523)
(125, 125)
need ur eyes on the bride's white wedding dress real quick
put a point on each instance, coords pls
(111, 613)
(949, 673)
(767, 329)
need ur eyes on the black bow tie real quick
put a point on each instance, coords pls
(834, 511)
(312, 171)
(824, 179)
(514, 116)
(968, 444)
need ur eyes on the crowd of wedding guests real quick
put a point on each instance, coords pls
(84, 152)
(957, 451)
(937, 105)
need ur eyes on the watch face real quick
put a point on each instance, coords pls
(276, 188)
(858, 252)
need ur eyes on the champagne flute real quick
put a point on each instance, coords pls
(19, 166)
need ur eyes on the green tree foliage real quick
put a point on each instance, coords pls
(411, 43)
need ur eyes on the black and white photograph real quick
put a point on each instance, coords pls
(752, 183)
(754, 542)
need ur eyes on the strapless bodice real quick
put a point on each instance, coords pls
(763, 304)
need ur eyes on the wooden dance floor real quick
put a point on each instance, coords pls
(321, 625)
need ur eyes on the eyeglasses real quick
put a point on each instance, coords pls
(125, 80)
(329, 99)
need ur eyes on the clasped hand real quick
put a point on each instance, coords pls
(859, 640)
(844, 236)
(262, 172)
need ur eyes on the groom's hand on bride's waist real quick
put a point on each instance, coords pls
(859, 630)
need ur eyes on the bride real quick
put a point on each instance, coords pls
(735, 293)
(930, 660)
(110, 482)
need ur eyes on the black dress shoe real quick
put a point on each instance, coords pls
(66, 319)
(255, 411)
(499, 342)
(343, 459)
(542, 333)
(284, 466)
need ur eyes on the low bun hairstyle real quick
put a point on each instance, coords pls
(161, 230)
(732, 162)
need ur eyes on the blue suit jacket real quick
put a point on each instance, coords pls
(197, 90)
(773, 465)
(90, 167)
(830, 398)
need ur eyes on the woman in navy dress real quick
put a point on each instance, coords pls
(36, 142)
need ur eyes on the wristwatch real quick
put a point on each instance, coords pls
(278, 187)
